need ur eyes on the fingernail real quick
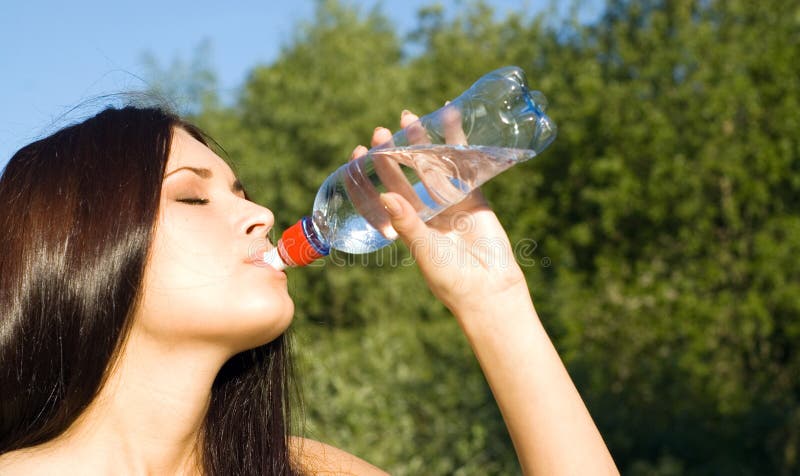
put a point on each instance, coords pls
(391, 205)
(405, 112)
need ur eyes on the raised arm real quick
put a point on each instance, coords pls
(468, 263)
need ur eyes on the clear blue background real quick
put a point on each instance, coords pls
(56, 54)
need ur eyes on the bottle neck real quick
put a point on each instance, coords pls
(301, 244)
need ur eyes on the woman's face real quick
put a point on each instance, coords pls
(202, 282)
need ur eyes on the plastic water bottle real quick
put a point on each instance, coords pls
(434, 163)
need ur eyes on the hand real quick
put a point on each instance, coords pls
(467, 261)
(463, 253)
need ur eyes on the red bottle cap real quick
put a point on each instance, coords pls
(295, 246)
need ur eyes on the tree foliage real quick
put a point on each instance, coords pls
(661, 231)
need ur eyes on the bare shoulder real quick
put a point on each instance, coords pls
(320, 459)
(26, 462)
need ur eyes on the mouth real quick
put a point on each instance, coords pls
(257, 250)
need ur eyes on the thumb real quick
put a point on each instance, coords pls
(404, 219)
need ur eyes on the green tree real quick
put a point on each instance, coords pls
(377, 354)
(661, 231)
(671, 212)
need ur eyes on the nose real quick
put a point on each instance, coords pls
(257, 220)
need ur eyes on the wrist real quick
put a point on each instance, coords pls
(499, 309)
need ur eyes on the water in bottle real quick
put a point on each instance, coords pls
(354, 221)
(495, 124)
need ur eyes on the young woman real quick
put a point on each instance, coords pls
(139, 336)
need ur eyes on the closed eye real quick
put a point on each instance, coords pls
(193, 201)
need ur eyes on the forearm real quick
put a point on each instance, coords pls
(549, 424)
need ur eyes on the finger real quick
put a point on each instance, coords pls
(409, 227)
(381, 136)
(387, 166)
(358, 152)
(407, 118)
(453, 128)
(415, 132)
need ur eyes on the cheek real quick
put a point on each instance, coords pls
(238, 314)
(188, 264)
(191, 252)
(203, 292)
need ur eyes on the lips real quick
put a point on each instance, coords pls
(256, 250)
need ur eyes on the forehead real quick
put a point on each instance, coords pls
(186, 151)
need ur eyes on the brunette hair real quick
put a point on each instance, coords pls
(77, 214)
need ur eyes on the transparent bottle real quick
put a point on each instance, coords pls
(434, 163)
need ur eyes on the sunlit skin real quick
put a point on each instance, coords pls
(201, 284)
(204, 299)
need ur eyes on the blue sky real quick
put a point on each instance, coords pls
(56, 54)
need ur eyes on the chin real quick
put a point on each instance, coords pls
(266, 329)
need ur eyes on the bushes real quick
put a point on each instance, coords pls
(666, 219)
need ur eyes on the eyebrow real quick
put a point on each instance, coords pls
(206, 174)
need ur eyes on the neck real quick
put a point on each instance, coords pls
(148, 417)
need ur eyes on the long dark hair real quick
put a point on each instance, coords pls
(77, 214)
